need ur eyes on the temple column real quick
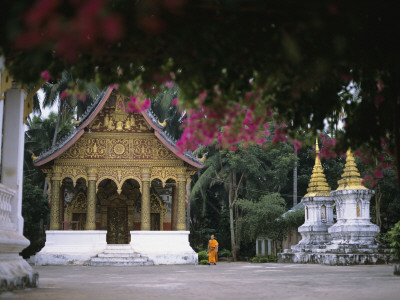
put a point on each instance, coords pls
(146, 209)
(174, 210)
(181, 215)
(91, 199)
(55, 223)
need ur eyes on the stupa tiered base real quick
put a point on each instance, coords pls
(337, 255)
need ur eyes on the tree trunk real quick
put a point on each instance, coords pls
(295, 181)
(378, 197)
(57, 124)
(231, 224)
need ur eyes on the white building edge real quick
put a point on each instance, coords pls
(15, 272)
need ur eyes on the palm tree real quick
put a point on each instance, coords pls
(68, 106)
(38, 138)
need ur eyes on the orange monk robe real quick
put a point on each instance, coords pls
(212, 253)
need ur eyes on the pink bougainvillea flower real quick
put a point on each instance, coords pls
(169, 84)
(297, 145)
(378, 173)
(175, 101)
(64, 94)
(45, 75)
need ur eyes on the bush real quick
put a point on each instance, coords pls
(272, 258)
(203, 262)
(264, 259)
(394, 239)
(203, 255)
(225, 253)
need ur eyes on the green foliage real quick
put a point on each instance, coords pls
(294, 218)
(35, 210)
(202, 255)
(224, 253)
(203, 262)
(262, 217)
(394, 238)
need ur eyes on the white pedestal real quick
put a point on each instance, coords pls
(164, 247)
(71, 247)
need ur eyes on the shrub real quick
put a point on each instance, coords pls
(394, 238)
(203, 255)
(224, 253)
(264, 259)
(272, 258)
(203, 262)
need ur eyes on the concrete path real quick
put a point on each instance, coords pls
(224, 281)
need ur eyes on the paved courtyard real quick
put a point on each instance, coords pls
(223, 281)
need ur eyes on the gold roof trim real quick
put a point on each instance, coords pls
(318, 186)
(351, 179)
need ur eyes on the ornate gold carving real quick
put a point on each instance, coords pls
(78, 205)
(113, 117)
(145, 208)
(119, 149)
(91, 206)
(55, 206)
(57, 171)
(181, 213)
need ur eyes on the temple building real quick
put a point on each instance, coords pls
(119, 189)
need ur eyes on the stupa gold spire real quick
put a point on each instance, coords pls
(318, 187)
(351, 179)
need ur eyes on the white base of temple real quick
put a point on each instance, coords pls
(164, 247)
(78, 247)
(66, 247)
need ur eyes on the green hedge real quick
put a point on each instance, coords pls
(264, 259)
(224, 253)
(203, 262)
(203, 255)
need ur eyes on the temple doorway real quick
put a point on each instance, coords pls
(117, 227)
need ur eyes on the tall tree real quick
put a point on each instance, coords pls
(68, 104)
(292, 55)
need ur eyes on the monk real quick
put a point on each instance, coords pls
(212, 251)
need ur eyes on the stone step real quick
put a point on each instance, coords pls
(119, 246)
(111, 255)
(120, 255)
(119, 259)
(116, 251)
(121, 264)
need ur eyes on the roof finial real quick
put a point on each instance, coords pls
(203, 158)
(351, 179)
(163, 124)
(318, 187)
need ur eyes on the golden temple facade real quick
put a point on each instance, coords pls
(119, 172)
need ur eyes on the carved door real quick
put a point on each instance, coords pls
(155, 221)
(78, 221)
(117, 225)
